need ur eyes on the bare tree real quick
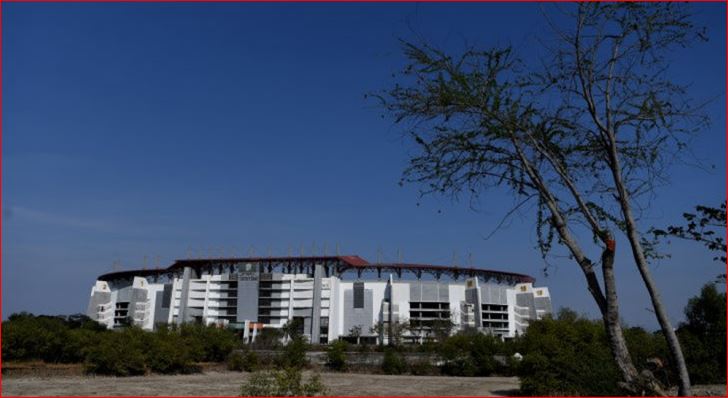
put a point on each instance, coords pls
(584, 138)
(394, 331)
(355, 333)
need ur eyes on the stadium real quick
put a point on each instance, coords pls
(328, 297)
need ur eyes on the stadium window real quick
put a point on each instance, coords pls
(358, 294)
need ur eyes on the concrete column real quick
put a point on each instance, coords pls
(318, 271)
(184, 296)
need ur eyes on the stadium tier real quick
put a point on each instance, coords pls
(328, 297)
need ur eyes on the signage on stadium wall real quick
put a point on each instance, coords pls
(247, 276)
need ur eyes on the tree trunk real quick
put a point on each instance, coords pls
(641, 261)
(673, 343)
(608, 305)
(634, 382)
(611, 319)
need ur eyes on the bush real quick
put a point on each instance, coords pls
(243, 361)
(116, 354)
(52, 339)
(469, 354)
(283, 383)
(423, 367)
(567, 356)
(209, 343)
(393, 363)
(649, 349)
(168, 353)
(269, 338)
(336, 356)
(294, 354)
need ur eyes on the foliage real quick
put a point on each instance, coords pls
(118, 354)
(49, 338)
(649, 351)
(707, 226)
(393, 331)
(169, 352)
(355, 333)
(123, 352)
(293, 328)
(469, 354)
(268, 338)
(336, 356)
(441, 329)
(423, 367)
(283, 383)
(567, 356)
(393, 362)
(209, 343)
(583, 136)
(293, 354)
(243, 360)
(704, 336)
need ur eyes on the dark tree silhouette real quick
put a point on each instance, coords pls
(707, 226)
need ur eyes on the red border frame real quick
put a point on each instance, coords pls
(300, 1)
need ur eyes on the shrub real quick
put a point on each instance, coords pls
(116, 354)
(268, 338)
(423, 367)
(168, 353)
(567, 356)
(49, 338)
(393, 363)
(293, 354)
(336, 356)
(283, 383)
(209, 343)
(469, 354)
(243, 361)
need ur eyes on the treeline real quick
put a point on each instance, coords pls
(565, 355)
(127, 352)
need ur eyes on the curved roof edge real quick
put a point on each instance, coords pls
(341, 264)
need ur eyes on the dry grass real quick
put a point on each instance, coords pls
(229, 383)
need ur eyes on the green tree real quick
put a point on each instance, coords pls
(293, 354)
(168, 352)
(209, 343)
(568, 355)
(293, 328)
(336, 356)
(393, 362)
(704, 335)
(355, 333)
(393, 331)
(582, 138)
(469, 354)
(118, 354)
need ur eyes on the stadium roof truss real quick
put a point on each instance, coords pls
(333, 266)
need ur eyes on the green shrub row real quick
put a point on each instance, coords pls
(565, 355)
(126, 352)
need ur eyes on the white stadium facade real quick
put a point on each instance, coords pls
(329, 296)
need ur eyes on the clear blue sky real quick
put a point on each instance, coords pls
(133, 130)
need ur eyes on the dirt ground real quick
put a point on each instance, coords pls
(228, 384)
